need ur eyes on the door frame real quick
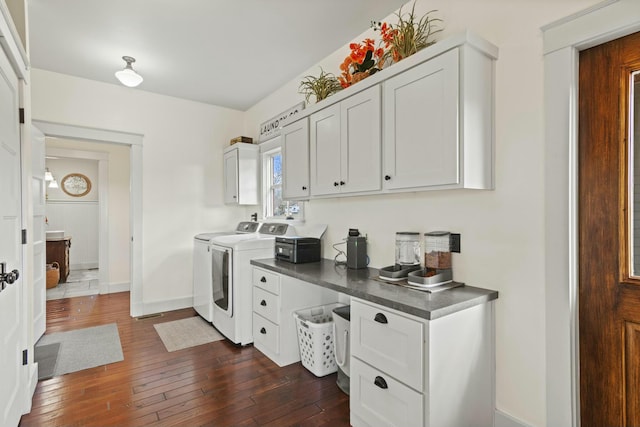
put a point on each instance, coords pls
(562, 42)
(134, 140)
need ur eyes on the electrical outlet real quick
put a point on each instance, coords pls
(454, 242)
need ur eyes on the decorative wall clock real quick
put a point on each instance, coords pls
(76, 184)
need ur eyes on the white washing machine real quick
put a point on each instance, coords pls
(203, 267)
(232, 278)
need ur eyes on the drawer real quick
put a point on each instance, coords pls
(266, 305)
(380, 400)
(389, 341)
(266, 335)
(267, 280)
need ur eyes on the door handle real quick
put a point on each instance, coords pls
(263, 279)
(263, 303)
(263, 331)
(7, 277)
(387, 178)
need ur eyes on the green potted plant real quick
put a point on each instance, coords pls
(326, 84)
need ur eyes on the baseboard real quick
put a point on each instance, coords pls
(166, 305)
(506, 420)
(84, 266)
(112, 288)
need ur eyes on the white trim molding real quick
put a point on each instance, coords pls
(133, 140)
(563, 40)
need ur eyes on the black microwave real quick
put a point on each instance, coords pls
(297, 250)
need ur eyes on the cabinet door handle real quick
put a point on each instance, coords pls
(387, 178)
(380, 382)
(263, 303)
(263, 279)
(342, 183)
(304, 188)
(264, 332)
(381, 318)
(335, 184)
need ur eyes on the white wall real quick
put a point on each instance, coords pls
(77, 216)
(502, 230)
(182, 168)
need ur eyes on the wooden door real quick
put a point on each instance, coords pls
(11, 306)
(609, 294)
(361, 142)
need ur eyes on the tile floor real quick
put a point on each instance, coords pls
(79, 283)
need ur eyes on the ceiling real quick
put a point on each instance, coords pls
(230, 53)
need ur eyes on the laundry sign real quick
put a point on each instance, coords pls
(272, 127)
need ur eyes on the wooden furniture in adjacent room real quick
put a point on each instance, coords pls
(58, 251)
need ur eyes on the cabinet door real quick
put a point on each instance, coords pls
(421, 133)
(325, 151)
(231, 177)
(295, 160)
(360, 137)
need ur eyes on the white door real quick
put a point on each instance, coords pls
(11, 379)
(361, 142)
(231, 177)
(39, 234)
(295, 160)
(421, 143)
(325, 151)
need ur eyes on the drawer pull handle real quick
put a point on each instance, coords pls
(264, 331)
(263, 303)
(380, 318)
(263, 279)
(380, 382)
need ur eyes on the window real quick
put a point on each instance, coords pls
(274, 206)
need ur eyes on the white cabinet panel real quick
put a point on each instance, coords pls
(379, 400)
(295, 160)
(345, 146)
(241, 183)
(421, 125)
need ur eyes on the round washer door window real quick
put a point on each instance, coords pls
(76, 184)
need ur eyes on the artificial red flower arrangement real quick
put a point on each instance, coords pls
(364, 60)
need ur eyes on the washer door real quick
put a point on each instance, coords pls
(222, 280)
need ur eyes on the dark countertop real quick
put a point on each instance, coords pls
(363, 284)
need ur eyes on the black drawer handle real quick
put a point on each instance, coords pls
(263, 303)
(335, 183)
(342, 183)
(263, 279)
(387, 178)
(381, 318)
(380, 382)
(304, 188)
(264, 331)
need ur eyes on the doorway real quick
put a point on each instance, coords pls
(134, 143)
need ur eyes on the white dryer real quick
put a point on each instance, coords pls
(203, 267)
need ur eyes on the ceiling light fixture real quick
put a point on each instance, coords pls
(128, 76)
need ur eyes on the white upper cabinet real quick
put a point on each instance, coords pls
(345, 156)
(241, 184)
(424, 123)
(295, 160)
(438, 122)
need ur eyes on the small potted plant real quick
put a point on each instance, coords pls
(408, 36)
(326, 84)
(364, 60)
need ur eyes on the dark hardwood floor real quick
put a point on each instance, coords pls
(216, 384)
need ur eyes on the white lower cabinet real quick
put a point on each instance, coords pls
(409, 371)
(275, 299)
